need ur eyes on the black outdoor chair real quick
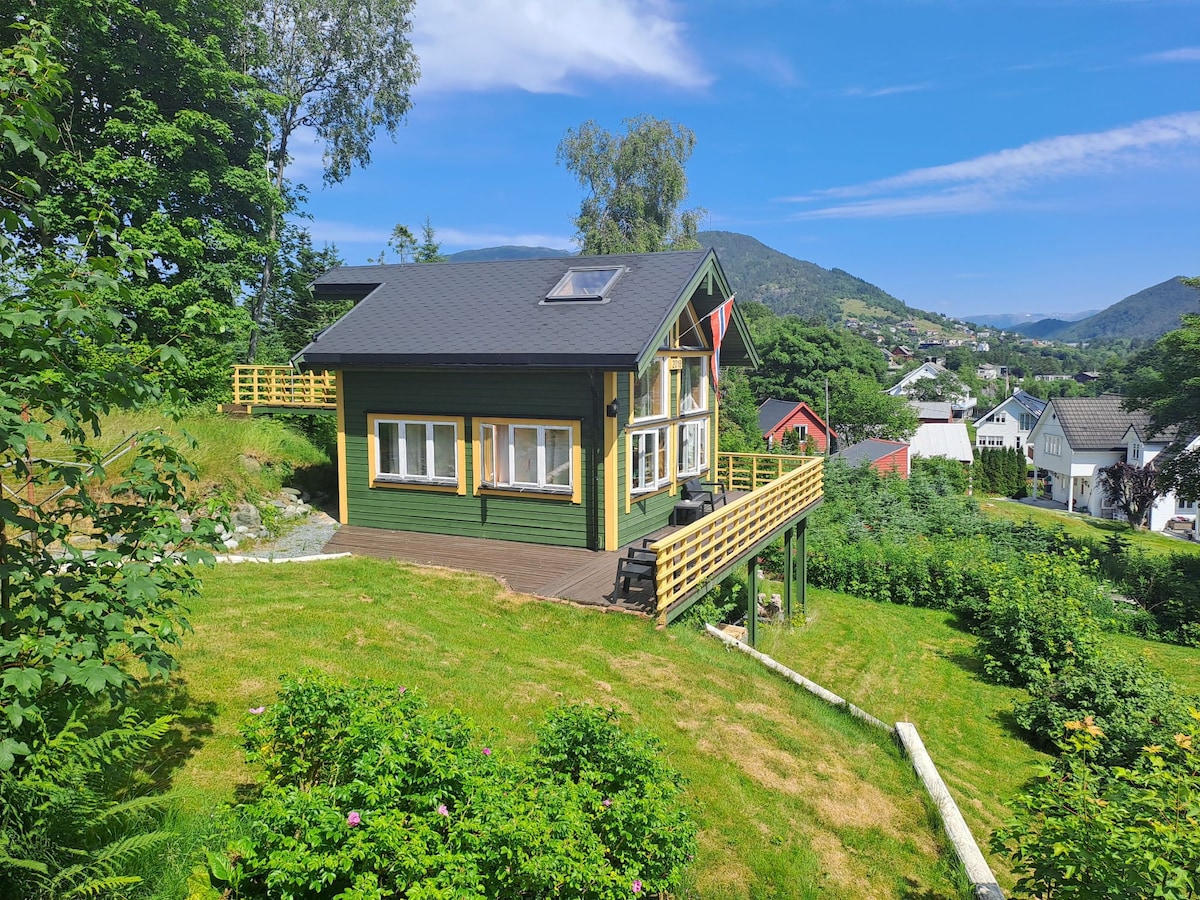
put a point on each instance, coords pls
(638, 565)
(709, 494)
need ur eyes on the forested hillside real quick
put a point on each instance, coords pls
(1148, 314)
(790, 285)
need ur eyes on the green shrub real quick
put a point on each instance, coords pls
(370, 794)
(1040, 618)
(1122, 834)
(1168, 588)
(1132, 703)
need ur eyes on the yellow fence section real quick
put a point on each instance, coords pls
(283, 386)
(687, 558)
(750, 471)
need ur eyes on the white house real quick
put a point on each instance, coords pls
(1075, 437)
(1009, 423)
(962, 403)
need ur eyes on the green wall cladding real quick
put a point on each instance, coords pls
(471, 394)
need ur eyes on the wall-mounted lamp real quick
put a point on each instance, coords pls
(612, 409)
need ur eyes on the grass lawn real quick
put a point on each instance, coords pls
(793, 799)
(904, 664)
(1082, 526)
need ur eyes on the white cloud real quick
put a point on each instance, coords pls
(889, 90)
(547, 46)
(1182, 54)
(989, 181)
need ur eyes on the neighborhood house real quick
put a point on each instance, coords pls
(562, 401)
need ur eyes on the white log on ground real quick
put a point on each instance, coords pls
(968, 852)
(796, 678)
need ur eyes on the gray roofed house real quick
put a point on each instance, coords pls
(561, 401)
(884, 456)
(1009, 422)
(1075, 437)
(500, 313)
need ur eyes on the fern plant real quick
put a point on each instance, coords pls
(70, 823)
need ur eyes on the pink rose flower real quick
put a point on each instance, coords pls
(442, 811)
(636, 887)
(487, 751)
(353, 819)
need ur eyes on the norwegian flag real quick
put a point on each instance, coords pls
(718, 322)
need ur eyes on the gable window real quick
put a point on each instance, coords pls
(527, 457)
(650, 392)
(693, 386)
(1135, 452)
(693, 447)
(650, 454)
(1053, 444)
(1028, 420)
(415, 451)
(802, 432)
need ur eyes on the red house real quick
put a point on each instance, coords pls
(779, 417)
(885, 457)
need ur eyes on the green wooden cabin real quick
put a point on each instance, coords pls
(559, 401)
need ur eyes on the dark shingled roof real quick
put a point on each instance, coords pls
(868, 451)
(492, 314)
(1035, 405)
(1095, 423)
(772, 412)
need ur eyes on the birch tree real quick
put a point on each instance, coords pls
(342, 68)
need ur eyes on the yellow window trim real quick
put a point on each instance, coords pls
(460, 454)
(576, 426)
(339, 381)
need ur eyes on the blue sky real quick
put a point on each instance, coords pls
(967, 157)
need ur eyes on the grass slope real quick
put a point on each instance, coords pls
(904, 664)
(1081, 526)
(793, 798)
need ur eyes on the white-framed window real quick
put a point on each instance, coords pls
(1028, 420)
(1135, 452)
(650, 392)
(989, 440)
(1053, 444)
(520, 456)
(801, 432)
(650, 449)
(693, 385)
(416, 451)
(693, 447)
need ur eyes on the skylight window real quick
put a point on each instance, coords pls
(585, 283)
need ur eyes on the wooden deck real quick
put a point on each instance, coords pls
(566, 573)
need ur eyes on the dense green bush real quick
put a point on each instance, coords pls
(1131, 702)
(1039, 616)
(1168, 588)
(1083, 833)
(371, 794)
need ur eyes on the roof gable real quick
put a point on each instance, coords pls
(494, 313)
(1094, 423)
(773, 413)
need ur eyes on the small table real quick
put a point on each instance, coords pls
(686, 512)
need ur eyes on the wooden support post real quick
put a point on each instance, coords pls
(802, 552)
(789, 572)
(752, 601)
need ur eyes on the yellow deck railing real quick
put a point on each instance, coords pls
(750, 471)
(283, 386)
(780, 487)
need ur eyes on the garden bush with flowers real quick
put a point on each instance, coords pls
(369, 793)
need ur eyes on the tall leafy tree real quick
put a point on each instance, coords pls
(859, 409)
(634, 183)
(294, 315)
(342, 68)
(1166, 382)
(167, 137)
